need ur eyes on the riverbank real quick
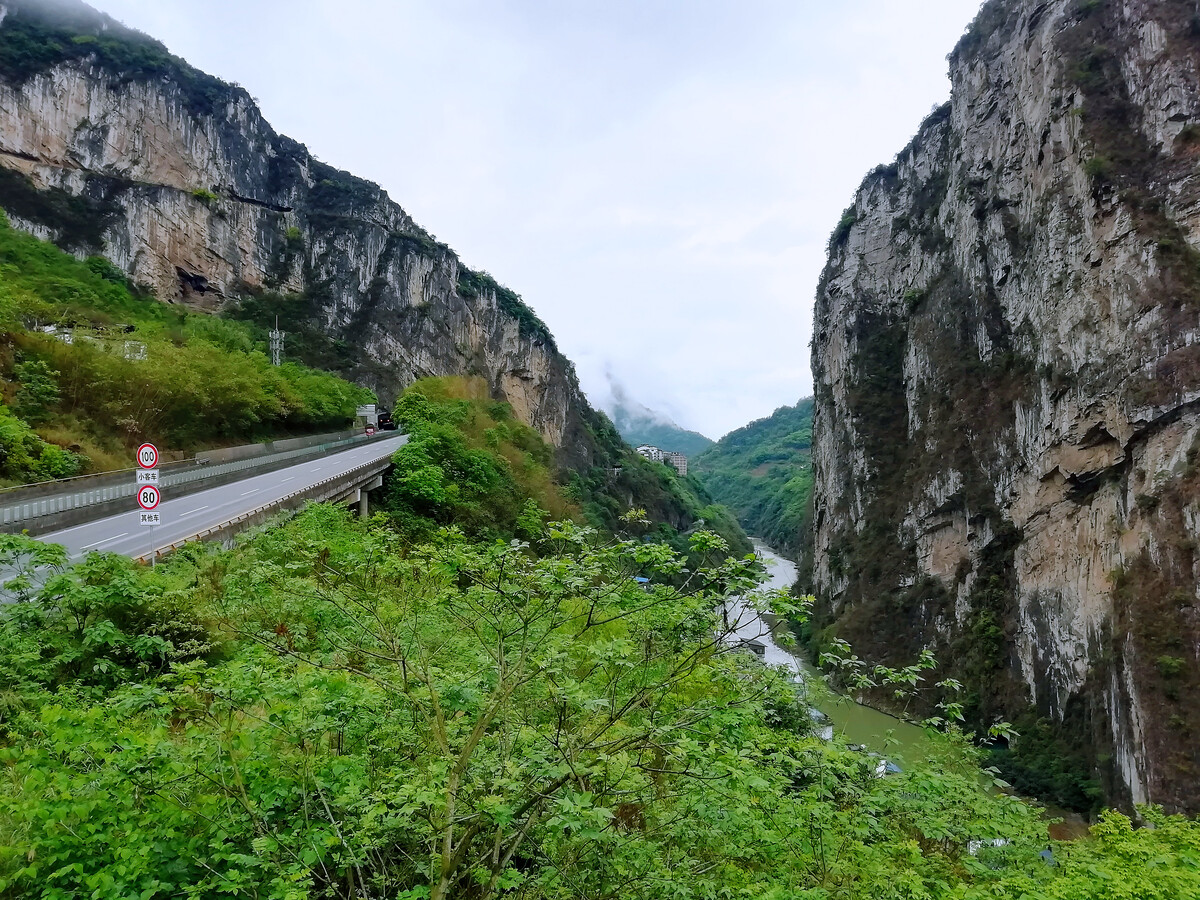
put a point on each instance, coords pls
(856, 723)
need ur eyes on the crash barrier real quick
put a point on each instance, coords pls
(80, 501)
(329, 489)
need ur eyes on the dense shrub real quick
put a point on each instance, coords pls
(473, 719)
(467, 461)
(25, 457)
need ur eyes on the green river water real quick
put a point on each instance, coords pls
(858, 724)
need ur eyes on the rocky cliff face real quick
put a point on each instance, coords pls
(1007, 363)
(177, 178)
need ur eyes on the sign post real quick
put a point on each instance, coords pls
(148, 495)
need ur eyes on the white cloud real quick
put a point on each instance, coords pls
(656, 178)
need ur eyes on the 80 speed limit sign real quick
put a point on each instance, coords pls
(148, 497)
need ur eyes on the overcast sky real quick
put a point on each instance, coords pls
(657, 179)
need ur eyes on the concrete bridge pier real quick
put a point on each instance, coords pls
(360, 495)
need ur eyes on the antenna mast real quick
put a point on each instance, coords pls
(276, 345)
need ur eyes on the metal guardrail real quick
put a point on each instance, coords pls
(313, 493)
(34, 509)
(79, 483)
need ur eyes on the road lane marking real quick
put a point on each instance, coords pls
(192, 511)
(105, 541)
(248, 493)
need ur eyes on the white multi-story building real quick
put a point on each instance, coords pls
(677, 461)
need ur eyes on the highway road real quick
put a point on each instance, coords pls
(187, 516)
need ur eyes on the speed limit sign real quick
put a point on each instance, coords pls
(148, 497)
(147, 456)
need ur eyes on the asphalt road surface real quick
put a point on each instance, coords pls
(186, 516)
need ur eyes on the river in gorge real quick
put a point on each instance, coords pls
(892, 738)
(857, 724)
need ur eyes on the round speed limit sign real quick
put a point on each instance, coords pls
(148, 497)
(147, 456)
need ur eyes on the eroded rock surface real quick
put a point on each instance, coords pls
(191, 192)
(1007, 379)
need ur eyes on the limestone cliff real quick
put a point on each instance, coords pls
(1007, 365)
(178, 179)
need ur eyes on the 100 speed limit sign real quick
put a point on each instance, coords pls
(148, 497)
(147, 456)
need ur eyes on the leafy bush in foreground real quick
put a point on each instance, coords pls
(327, 711)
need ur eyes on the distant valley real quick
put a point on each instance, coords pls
(761, 471)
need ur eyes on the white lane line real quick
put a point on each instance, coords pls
(105, 541)
(248, 493)
(192, 512)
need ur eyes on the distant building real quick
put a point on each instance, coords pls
(677, 461)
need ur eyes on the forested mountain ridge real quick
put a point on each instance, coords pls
(639, 425)
(763, 473)
(1006, 428)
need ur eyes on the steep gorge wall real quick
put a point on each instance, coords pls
(178, 179)
(1007, 423)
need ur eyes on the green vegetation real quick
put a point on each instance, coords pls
(469, 463)
(338, 193)
(419, 706)
(1045, 762)
(334, 710)
(135, 369)
(992, 17)
(41, 34)
(763, 473)
(307, 338)
(1098, 168)
(842, 230)
(25, 457)
(677, 505)
(77, 221)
